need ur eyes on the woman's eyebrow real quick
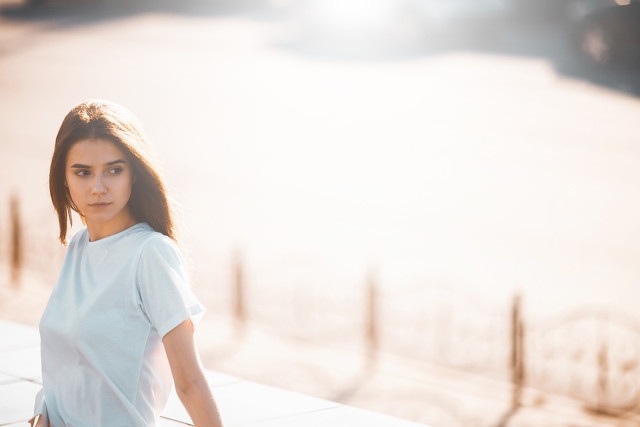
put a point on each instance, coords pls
(81, 166)
(115, 162)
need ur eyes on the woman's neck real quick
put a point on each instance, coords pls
(115, 225)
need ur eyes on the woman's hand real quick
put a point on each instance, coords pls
(39, 423)
(191, 385)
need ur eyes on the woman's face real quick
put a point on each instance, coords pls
(99, 179)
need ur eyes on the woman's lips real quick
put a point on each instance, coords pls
(99, 204)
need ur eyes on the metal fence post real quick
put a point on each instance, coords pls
(517, 361)
(16, 249)
(517, 351)
(371, 317)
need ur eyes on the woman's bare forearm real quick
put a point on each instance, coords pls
(200, 404)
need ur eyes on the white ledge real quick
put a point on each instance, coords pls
(241, 403)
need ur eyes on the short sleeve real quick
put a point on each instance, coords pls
(163, 286)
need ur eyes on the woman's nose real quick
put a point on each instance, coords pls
(98, 186)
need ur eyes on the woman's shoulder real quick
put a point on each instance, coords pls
(154, 244)
(159, 254)
(153, 238)
(142, 235)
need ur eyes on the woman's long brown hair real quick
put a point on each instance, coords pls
(105, 120)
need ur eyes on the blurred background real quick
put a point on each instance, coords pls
(427, 208)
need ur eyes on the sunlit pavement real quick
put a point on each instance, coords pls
(489, 172)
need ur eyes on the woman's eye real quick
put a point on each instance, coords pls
(115, 171)
(82, 172)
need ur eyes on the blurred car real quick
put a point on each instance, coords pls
(611, 35)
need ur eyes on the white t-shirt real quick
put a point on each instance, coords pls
(103, 361)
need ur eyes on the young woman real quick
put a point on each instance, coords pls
(118, 327)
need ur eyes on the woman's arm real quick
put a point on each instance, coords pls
(188, 375)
